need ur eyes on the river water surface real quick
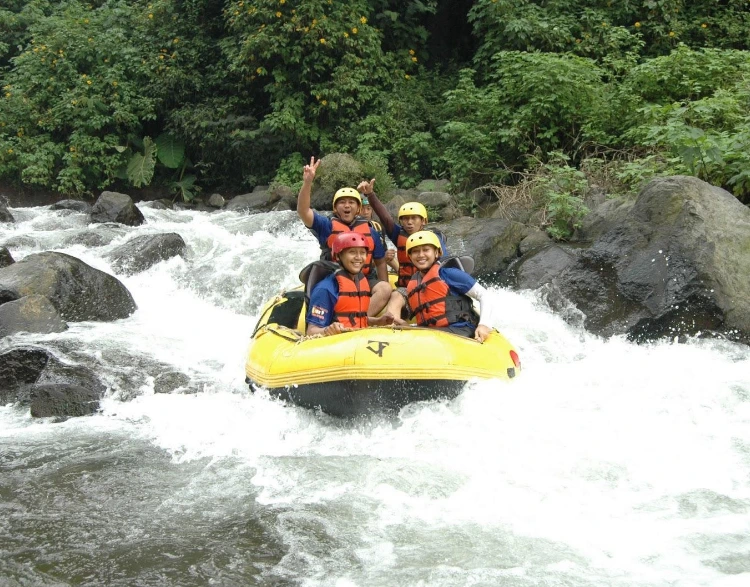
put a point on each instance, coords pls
(604, 464)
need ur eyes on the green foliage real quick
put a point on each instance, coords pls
(338, 170)
(288, 173)
(533, 101)
(141, 165)
(317, 64)
(562, 189)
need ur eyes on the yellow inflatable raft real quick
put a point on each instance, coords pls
(367, 370)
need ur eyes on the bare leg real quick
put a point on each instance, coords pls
(379, 297)
(396, 304)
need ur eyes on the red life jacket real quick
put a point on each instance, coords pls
(433, 304)
(354, 300)
(405, 267)
(359, 225)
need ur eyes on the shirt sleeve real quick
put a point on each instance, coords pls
(393, 234)
(379, 251)
(459, 281)
(487, 310)
(322, 227)
(322, 302)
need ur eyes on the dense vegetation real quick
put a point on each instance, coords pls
(190, 93)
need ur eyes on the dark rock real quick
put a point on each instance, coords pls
(216, 201)
(32, 313)
(5, 257)
(88, 239)
(19, 368)
(7, 295)
(75, 205)
(78, 291)
(62, 401)
(434, 199)
(541, 266)
(142, 252)
(492, 242)
(5, 215)
(116, 207)
(535, 239)
(675, 262)
(168, 382)
(261, 200)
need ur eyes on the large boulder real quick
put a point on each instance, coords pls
(5, 215)
(32, 313)
(262, 199)
(5, 257)
(116, 207)
(675, 262)
(142, 252)
(492, 242)
(72, 205)
(77, 290)
(24, 369)
(62, 401)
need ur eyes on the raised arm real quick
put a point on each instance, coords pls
(303, 200)
(366, 188)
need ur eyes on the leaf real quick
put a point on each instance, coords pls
(141, 166)
(171, 150)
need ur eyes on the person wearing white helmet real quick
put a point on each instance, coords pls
(347, 203)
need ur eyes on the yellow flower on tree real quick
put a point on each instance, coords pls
(354, 30)
(363, 20)
(322, 41)
(671, 33)
(704, 25)
(637, 25)
(278, 14)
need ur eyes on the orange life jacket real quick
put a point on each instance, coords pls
(359, 225)
(354, 300)
(433, 304)
(405, 267)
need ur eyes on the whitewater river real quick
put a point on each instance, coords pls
(604, 464)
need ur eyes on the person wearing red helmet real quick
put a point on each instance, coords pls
(341, 301)
(347, 204)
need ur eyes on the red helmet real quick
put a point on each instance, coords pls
(347, 240)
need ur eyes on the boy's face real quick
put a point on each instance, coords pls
(412, 223)
(367, 212)
(423, 256)
(353, 259)
(346, 209)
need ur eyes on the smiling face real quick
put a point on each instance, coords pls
(346, 209)
(353, 259)
(423, 256)
(411, 223)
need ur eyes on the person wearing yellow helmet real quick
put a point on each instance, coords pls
(347, 203)
(440, 297)
(412, 217)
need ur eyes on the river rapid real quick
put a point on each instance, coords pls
(604, 464)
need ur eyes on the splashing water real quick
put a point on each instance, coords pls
(604, 463)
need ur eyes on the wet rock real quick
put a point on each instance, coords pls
(5, 257)
(74, 205)
(142, 252)
(492, 242)
(62, 401)
(434, 199)
(23, 367)
(116, 207)
(673, 263)
(32, 313)
(260, 200)
(77, 290)
(216, 201)
(5, 215)
(535, 239)
(19, 368)
(170, 381)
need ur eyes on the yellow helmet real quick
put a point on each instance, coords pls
(423, 237)
(346, 193)
(413, 208)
